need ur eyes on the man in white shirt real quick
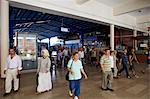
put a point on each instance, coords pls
(12, 70)
(81, 55)
(111, 61)
(65, 56)
(65, 52)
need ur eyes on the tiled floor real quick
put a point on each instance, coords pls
(135, 88)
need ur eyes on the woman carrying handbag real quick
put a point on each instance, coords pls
(76, 70)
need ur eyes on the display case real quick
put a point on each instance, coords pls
(27, 50)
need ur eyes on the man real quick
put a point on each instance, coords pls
(12, 70)
(113, 59)
(107, 75)
(60, 55)
(81, 55)
(93, 56)
(65, 56)
(125, 63)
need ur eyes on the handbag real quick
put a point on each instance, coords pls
(67, 75)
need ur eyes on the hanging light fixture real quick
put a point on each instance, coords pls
(63, 28)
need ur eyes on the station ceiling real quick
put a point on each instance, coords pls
(48, 25)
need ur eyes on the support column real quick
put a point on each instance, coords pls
(135, 41)
(4, 33)
(112, 37)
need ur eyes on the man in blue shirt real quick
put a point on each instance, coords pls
(125, 63)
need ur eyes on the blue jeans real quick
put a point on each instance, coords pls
(74, 85)
(125, 67)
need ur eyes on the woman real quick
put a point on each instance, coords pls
(75, 69)
(44, 76)
(132, 60)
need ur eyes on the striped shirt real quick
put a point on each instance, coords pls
(105, 61)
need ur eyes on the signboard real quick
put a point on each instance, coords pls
(63, 29)
(143, 45)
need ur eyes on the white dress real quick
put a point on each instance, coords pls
(44, 78)
(44, 82)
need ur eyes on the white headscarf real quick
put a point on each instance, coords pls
(46, 53)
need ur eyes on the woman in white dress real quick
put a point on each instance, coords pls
(44, 76)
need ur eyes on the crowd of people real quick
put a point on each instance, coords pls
(109, 62)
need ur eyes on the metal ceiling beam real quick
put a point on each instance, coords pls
(54, 26)
(23, 14)
(29, 15)
(16, 14)
(47, 29)
(50, 25)
(35, 13)
(44, 15)
(25, 21)
(40, 30)
(67, 25)
(40, 16)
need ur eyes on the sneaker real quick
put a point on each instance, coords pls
(15, 91)
(37, 93)
(119, 74)
(110, 89)
(76, 97)
(136, 76)
(129, 77)
(104, 89)
(115, 77)
(70, 93)
(6, 94)
(143, 71)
